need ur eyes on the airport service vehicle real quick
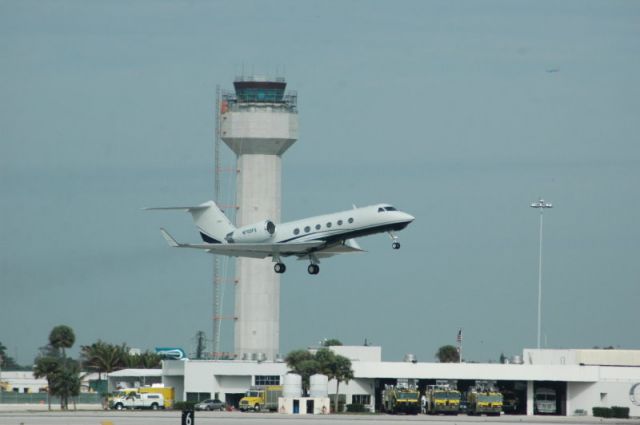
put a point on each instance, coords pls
(484, 402)
(211, 404)
(311, 238)
(168, 393)
(545, 401)
(442, 399)
(261, 398)
(400, 399)
(135, 400)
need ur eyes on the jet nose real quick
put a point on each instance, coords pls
(409, 217)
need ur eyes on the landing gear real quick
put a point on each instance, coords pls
(395, 244)
(313, 269)
(279, 268)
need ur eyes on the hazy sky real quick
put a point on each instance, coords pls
(458, 112)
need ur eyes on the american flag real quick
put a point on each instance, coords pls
(459, 337)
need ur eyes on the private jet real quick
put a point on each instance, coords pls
(311, 238)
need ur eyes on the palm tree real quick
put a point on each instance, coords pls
(62, 337)
(304, 364)
(103, 357)
(47, 367)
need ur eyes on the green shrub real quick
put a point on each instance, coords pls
(356, 408)
(602, 412)
(184, 405)
(620, 412)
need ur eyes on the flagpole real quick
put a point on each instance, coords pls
(460, 345)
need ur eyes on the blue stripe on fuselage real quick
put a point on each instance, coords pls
(350, 234)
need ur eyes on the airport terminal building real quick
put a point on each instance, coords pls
(580, 379)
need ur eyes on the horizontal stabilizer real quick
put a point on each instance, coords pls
(188, 209)
(170, 240)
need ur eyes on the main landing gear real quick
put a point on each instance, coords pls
(313, 268)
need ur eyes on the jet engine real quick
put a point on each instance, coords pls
(252, 233)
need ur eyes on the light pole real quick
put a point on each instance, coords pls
(541, 205)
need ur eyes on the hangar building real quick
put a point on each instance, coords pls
(581, 379)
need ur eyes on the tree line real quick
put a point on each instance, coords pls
(64, 374)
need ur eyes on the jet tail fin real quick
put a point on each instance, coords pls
(211, 222)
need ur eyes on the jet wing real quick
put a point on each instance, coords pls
(349, 246)
(251, 250)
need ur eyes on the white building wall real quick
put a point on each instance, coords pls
(231, 385)
(359, 353)
(585, 396)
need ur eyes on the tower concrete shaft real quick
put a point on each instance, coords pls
(259, 123)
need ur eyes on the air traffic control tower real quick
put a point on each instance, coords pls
(259, 122)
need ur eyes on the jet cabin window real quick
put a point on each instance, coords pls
(296, 231)
(307, 229)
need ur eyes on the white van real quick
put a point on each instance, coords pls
(545, 401)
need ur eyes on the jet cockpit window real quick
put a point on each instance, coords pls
(390, 209)
(380, 209)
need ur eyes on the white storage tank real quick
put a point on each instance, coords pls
(319, 386)
(292, 386)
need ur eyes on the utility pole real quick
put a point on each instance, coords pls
(541, 205)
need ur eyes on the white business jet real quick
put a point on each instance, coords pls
(311, 238)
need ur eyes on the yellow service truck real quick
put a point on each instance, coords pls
(261, 398)
(442, 399)
(396, 399)
(487, 402)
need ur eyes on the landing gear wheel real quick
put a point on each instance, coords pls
(313, 269)
(395, 245)
(279, 268)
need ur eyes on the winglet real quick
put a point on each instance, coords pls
(170, 240)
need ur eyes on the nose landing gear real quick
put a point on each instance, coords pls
(395, 244)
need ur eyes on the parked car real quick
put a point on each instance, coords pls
(210, 405)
